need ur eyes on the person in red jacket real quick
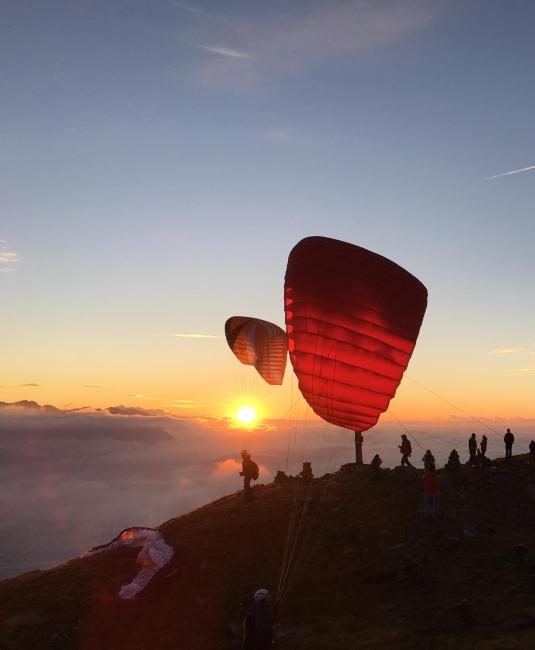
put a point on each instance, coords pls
(430, 492)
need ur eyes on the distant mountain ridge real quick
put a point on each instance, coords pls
(30, 405)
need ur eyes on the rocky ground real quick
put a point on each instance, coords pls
(364, 570)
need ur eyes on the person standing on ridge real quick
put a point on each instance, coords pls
(406, 450)
(483, 445)
(472, 449)
(509, 440)
(532, 448)
(249, 473)
(428, 459)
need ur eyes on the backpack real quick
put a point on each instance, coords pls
(253, 468)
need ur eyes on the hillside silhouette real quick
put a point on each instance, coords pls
(367, 571)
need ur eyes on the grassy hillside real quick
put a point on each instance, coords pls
(368, 571)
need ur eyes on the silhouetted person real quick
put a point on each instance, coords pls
(406, 450)
(532, 448)
(375, 465)
(509, 440)
(258, 624)
(249, 473)
(428, 459)
(454, 462)
(483, 445)
(430, 492)
(472, 449)
(280, 477)
(306, 472)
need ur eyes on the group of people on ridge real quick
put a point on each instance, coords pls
(258, 621)
(476, 454)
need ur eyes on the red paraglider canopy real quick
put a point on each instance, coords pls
(352, 319)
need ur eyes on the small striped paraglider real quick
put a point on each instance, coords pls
(258, 343)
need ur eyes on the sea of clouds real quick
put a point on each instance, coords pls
(73, 480)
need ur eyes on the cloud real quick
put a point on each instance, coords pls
(501, 351)
(225, 51)
(8, 258)
(93, 386)
(182, 404)
(71, 480)
(523, 369)
(27, 385)
(514, 171)
(140, 396)
(308, 36)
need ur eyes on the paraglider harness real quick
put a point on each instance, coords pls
(254, 471)
(250, 469)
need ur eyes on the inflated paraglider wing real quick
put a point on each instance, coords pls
(258, 343)
(352, 319)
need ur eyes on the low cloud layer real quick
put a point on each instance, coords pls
(73, 480)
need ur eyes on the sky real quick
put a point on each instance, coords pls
(159, 159)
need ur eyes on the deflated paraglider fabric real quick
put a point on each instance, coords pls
(352, 319)
(258, 343)
(154, 554)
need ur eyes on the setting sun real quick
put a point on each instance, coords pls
(246, 415)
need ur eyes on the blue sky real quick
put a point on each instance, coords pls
(160, 159)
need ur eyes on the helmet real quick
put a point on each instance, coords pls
(261, 594)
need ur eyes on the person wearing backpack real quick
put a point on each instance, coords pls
(249, 473)
(406, 450)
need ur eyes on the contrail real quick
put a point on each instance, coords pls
(515, 171)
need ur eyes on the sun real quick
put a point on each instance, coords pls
(246, 415)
